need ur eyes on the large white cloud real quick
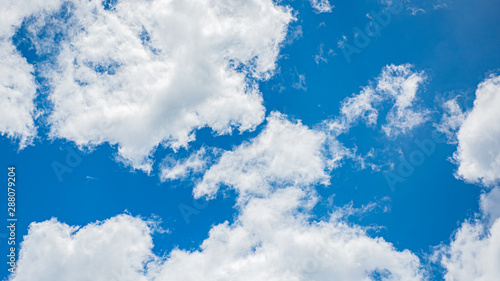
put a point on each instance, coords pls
(270, 240)
(107, 251)
(474, 251)
(17, 91)
(17, 83)
(478, 153)
(146, 73)
(473, 254)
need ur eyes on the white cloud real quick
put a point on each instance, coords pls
(107, 251)
(440, 6)
(152, 72)
(473, 254)
(17, 84)
(473, 251)
(301, 83)
(397, 84)
(321, 6)
(172, 169)
(478, 153)
(490, 204)
(401, 84)
(270, 240)
(284, 153)
(17, 91)
(451, 120)
(416, 11)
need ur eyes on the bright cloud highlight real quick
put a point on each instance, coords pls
(150, 73)
(478, 153)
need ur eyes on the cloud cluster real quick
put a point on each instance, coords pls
(269, 241)
(272, 238)
(473, 252)
(478, 153)
(17, 83)
(272, 241)
(17, 91)
(149, 73)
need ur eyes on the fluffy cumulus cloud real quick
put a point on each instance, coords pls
(272, 241)
(284, 153)
(474, 251)
(473, 254)
(106, 251)
(17, 91)
(17, 83)
(478, 153)
(149, 73)
(272, 238)
(397, 85)
(490, 204)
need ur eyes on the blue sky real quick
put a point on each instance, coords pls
(174, 133)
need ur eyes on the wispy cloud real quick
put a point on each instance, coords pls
(321, 6)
